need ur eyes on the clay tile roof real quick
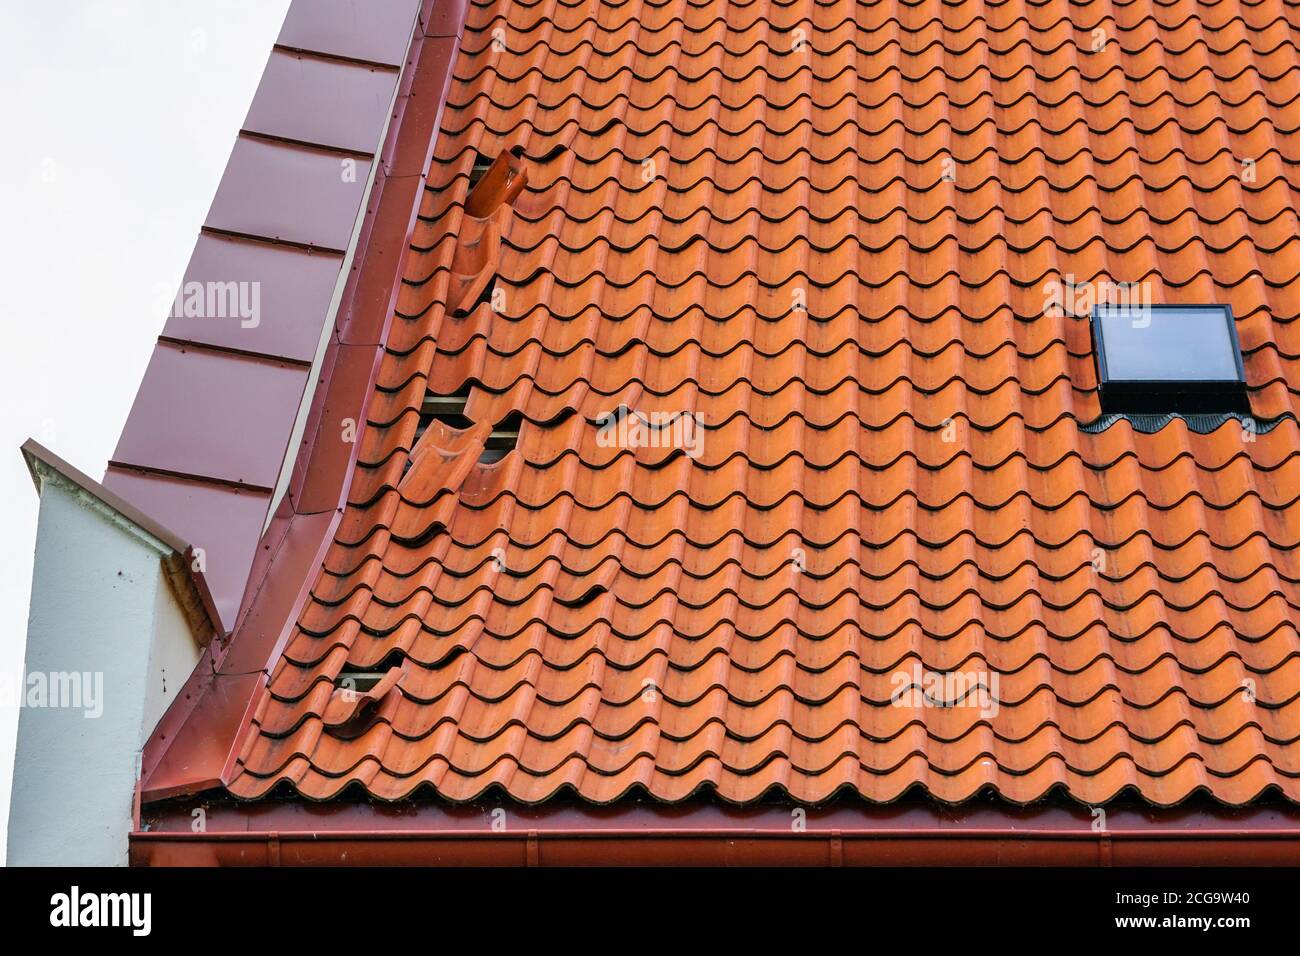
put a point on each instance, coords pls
(761, 286)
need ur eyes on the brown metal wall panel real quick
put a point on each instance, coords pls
(291, 193)
(321, 101)
(212, 415)
(294, 287)
(223, 521)
(374, 30)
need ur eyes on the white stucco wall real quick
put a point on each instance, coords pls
(101, 605)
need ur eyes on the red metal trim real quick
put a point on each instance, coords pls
(912, 833)
(194, 749)
(720, 849)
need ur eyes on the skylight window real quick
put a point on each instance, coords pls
(1168, 358)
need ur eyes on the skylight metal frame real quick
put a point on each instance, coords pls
(1164, 396)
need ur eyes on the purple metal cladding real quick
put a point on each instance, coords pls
(289, 193)
(312, 99)
(258, 290)
(369, 297)
(293, 290)
(375, 31)
(214, 415)
(199, 453)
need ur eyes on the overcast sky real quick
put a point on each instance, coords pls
(117, 117)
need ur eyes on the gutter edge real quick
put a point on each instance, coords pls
(713, 847)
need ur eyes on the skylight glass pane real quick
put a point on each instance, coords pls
(1168, 344)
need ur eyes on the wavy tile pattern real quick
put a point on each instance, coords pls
(810, 243)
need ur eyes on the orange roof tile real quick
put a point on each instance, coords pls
(816, 236)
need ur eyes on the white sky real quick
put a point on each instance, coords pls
(116, 120)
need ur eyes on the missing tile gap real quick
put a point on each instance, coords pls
(586, 597)
(359, 681)
(481, 165)
(448, 409)
(504, 437)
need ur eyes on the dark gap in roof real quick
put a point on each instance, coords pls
(505, 434)
(448, 409)
(359, 681)
(586, 597)
(481, 165)
(394, 658)
(362, 679)
(552, 154)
